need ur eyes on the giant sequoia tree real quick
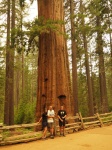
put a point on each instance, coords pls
(53, 77)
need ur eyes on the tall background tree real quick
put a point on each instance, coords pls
(9, 85)
(74, 60)
(101, 8)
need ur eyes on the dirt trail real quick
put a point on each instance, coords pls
(94, 139)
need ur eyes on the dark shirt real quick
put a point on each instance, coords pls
(44, 117)
(62, 113)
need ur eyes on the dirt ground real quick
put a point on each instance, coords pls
(94, 139)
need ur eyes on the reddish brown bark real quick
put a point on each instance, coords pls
(9, 83)
(53, 78)
(74, 61)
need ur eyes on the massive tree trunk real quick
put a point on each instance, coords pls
(53, 78)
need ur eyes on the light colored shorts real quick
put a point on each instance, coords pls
(51, 124)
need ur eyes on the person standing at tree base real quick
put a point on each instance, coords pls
(51, 115)
(44, 123)
(62, 115)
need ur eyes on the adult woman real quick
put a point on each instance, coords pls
(44, 123)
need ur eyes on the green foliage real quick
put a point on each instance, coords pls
(42, 25)
(25, 113)
(27, 39)
(82, 94)
(25, 110)
(22, 3)
(5, 134)
(2, 82)
(39, 26)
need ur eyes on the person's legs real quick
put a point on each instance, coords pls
(60, 130)
(44, 132)
(60, 125)
(63, 127)
(52, 129)
(63, 130)
(44, 126)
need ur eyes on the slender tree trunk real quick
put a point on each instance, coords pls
(17, 93)
(11, 105)
(17, 81)
(9, 87)
(110, 37)
(32, 85)
(23, 82)
(89, 82)
(22, 49)
(102, 77)
(93, 76)
(8, 78)
(74, 62)
(53, 82)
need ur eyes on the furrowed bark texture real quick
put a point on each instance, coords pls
(53, 77)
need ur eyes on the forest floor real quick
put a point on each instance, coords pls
(93, 139)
